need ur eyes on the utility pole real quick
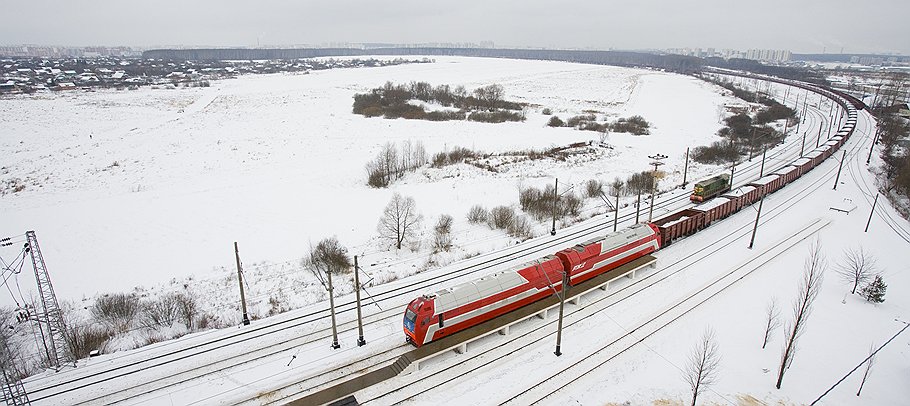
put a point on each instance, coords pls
(555, 196)
(839, 167)
(686, 168)
(656, 161)
(360, 341)
(802, 147)
(335, 344)
(616, 213)
(50, 322)
(871, 212)
(757, 216)
(752, 144)
(820, 126)
(562, 302)
(732, 170)
(872, 148)
(246, 318)
(762, 171)
(638, 206)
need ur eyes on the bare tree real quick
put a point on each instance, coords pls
(328, 256)
(857, 268)
(400, 220)
(809, 286)
(773, 320)
(868, 367)
(704, 360)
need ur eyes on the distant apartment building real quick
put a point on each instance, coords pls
(768, 55)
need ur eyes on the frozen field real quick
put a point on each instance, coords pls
(132, 188)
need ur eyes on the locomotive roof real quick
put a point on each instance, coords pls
(470, 291)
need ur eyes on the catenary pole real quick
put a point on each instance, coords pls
(246, 317)
(335, 344)
(555, 197)
(871, 212)
(839, 167)
(562, 302)
(360, 341)
(686, 168)
(757, 216)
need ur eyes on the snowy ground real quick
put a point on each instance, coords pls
(148, 187)
(195, 194)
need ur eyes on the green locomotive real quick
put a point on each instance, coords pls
(709, 188)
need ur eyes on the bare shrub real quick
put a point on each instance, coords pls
(117, 310)
(719, 152)
(555, 121)
(594, 188)
(521, 228)
(162, 312)
(477, 214)
(501, 217)
(442, 237)
(529, 197)
(575, 121)
(188, 310)
(81, 340)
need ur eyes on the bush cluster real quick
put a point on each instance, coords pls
(496, 116)
(455, 156)
(635, 125)
(118, 313)
(485, 104)
(539, 203)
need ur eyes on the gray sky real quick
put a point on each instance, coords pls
(804, 26)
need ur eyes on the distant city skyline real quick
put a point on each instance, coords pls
(812, 26)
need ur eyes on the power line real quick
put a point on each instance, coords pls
(860, 364)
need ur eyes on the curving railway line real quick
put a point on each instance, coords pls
(234, 351)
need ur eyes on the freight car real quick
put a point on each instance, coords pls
(437, 315)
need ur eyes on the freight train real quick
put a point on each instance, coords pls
(440, 314)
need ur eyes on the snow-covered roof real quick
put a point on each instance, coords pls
(713, 203)
(740, 191)
(766, 180)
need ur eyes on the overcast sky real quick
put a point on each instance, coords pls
(803, 26)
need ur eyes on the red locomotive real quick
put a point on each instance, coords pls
(433, 316)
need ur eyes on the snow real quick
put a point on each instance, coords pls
(140, 187)
(255, 160)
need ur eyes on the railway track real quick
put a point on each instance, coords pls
(68, 389)
(536, 392)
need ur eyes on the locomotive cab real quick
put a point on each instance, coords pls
(416, 318)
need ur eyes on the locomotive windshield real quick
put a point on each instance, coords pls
(409, 318)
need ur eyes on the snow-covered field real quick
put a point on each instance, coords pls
(259, 160)
(138, 188)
